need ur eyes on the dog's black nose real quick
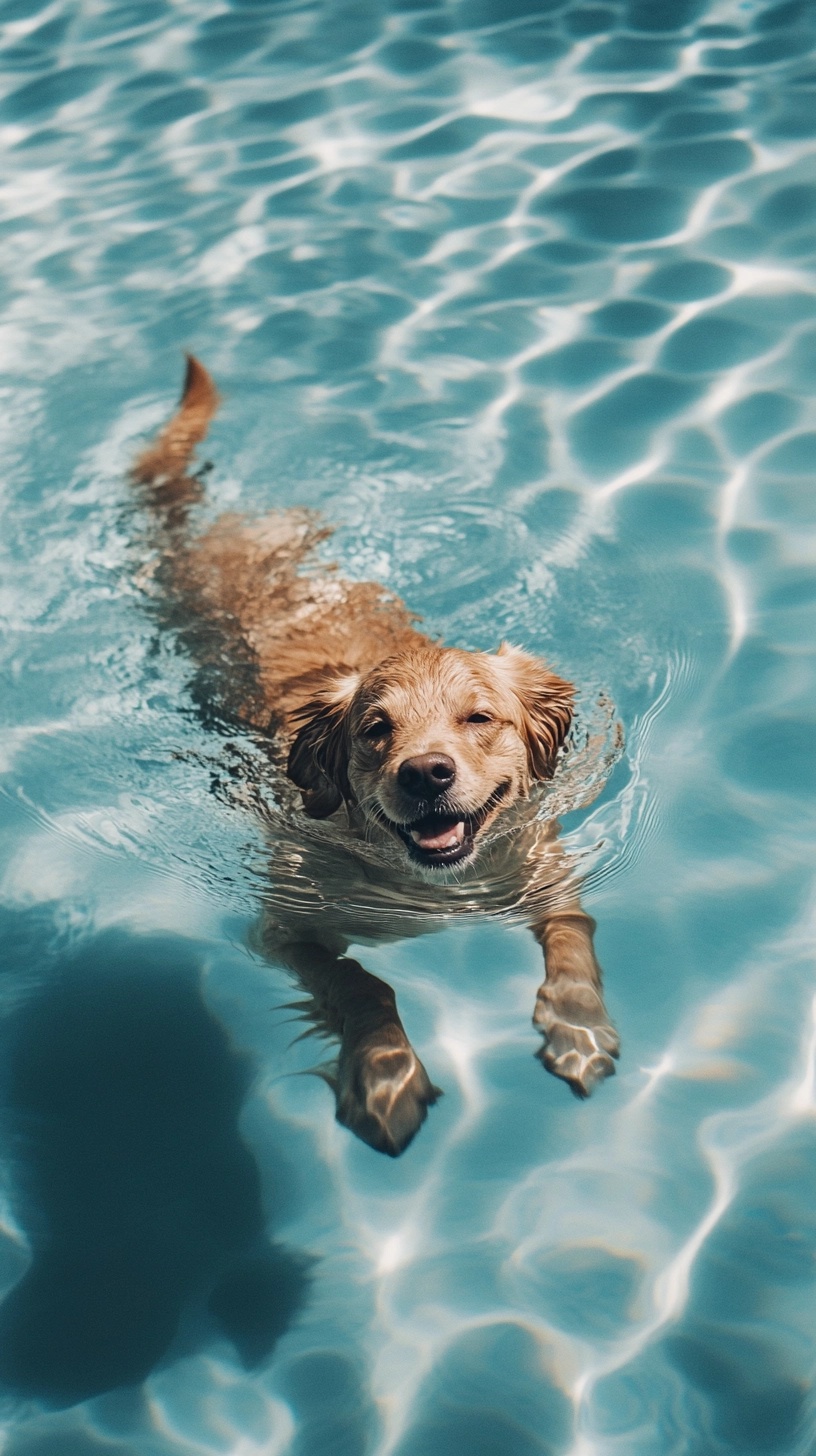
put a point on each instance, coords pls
(427, 775)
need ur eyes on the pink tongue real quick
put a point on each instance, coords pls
(443, 838)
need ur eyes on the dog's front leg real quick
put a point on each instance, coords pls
(580, 1042)
(383, 1091)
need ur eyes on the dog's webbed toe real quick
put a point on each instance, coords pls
(579, 1043)
(580, 1071)
(383, 1095)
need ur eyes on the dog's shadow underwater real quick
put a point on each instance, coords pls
(139, 1199)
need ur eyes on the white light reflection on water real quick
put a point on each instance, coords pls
(525, 305)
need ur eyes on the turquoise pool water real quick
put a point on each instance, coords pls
(519, 294)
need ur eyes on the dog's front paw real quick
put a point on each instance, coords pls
(580, 1043)
(383, 1094)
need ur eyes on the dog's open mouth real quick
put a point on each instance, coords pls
(439, 839)
(447, 837)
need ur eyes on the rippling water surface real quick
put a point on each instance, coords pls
(520, 295)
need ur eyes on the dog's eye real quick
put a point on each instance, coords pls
(380, 728)
(480, 718)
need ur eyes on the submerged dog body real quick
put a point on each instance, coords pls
(421, 757)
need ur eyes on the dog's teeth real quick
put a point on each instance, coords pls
(444, 839)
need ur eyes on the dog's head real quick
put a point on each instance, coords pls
(432, 744)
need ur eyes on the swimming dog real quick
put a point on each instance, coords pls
(422, 762)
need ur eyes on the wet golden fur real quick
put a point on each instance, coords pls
(339, 677)
(331, 656)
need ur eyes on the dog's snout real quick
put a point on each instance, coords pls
(427, 775)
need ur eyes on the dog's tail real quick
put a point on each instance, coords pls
(165, 461)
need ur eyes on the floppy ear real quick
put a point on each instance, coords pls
(318, 758)
(545, 706)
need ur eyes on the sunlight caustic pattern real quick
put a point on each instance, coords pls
(520, 294)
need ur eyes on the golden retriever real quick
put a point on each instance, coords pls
(422, 760)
